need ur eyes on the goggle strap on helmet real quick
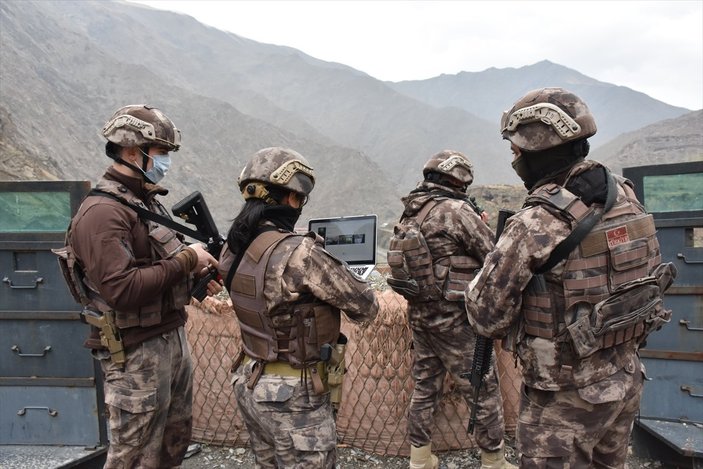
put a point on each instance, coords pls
(547, 113)
(452, 161)
(287, 170)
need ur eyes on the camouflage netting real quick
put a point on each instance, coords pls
(377, 386)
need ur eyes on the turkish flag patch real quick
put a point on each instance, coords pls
(617, 236)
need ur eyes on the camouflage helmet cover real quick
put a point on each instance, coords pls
(451, 163)
(139, 124)
(546, 118)
(278, 166)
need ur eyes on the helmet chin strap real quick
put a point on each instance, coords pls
(136, 168)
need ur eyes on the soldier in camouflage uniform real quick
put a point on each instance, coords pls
(134, 274)
(287, 293)
(457, 240)
(574, 285)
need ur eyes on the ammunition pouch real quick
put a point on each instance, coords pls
(109, 333)
(462, 270)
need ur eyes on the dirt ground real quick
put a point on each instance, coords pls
(217, 457)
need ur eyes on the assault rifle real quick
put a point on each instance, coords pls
(193, 209)
(483, 351)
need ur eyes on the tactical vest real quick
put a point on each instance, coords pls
(607, 294)
(292, 334)
(164, 242)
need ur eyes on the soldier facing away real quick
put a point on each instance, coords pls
(574, 285)
(134, 275)
(433, 278)
(287, 293)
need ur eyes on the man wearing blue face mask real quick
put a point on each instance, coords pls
(133, 276)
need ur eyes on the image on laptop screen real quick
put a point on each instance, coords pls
(351, 239)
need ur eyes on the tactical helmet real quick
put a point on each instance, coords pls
(451, 163)
(276, 166)
(546, 118)
(138, 124)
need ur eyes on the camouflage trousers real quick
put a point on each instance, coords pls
(452, 351)
(150, 403)
(587, 427)
(289, 425)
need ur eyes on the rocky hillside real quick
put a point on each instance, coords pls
(669, 141)
(66, 66)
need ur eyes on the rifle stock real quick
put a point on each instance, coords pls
(483, 350)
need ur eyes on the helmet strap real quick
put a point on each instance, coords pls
(144, 150)
(134, 167)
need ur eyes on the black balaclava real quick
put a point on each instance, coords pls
(538, 167)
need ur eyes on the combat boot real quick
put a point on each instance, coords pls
(422, 458)
(495, 459)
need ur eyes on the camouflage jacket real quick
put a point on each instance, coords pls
(496, 307)
(452, 228)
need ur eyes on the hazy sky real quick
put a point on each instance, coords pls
(655, 47)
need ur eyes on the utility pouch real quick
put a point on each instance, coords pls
(633, 311)
(665, 275)
(462, 270)
(400, 280)
(164, 241)
(67, 265)
(630, 304)
(327, 324)
(395, 259)
(583, 340)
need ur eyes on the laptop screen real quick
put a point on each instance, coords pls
(351, 239)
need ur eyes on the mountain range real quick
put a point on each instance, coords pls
(65, 66)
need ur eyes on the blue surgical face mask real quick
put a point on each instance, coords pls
(161, 165)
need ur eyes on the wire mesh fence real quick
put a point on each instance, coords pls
(376, 391)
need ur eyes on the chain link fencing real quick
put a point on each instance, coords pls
(376, 391)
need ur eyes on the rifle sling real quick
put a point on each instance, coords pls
(161, 220)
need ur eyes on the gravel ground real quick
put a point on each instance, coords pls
(211, 457)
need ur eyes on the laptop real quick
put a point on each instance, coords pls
(350, 239)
